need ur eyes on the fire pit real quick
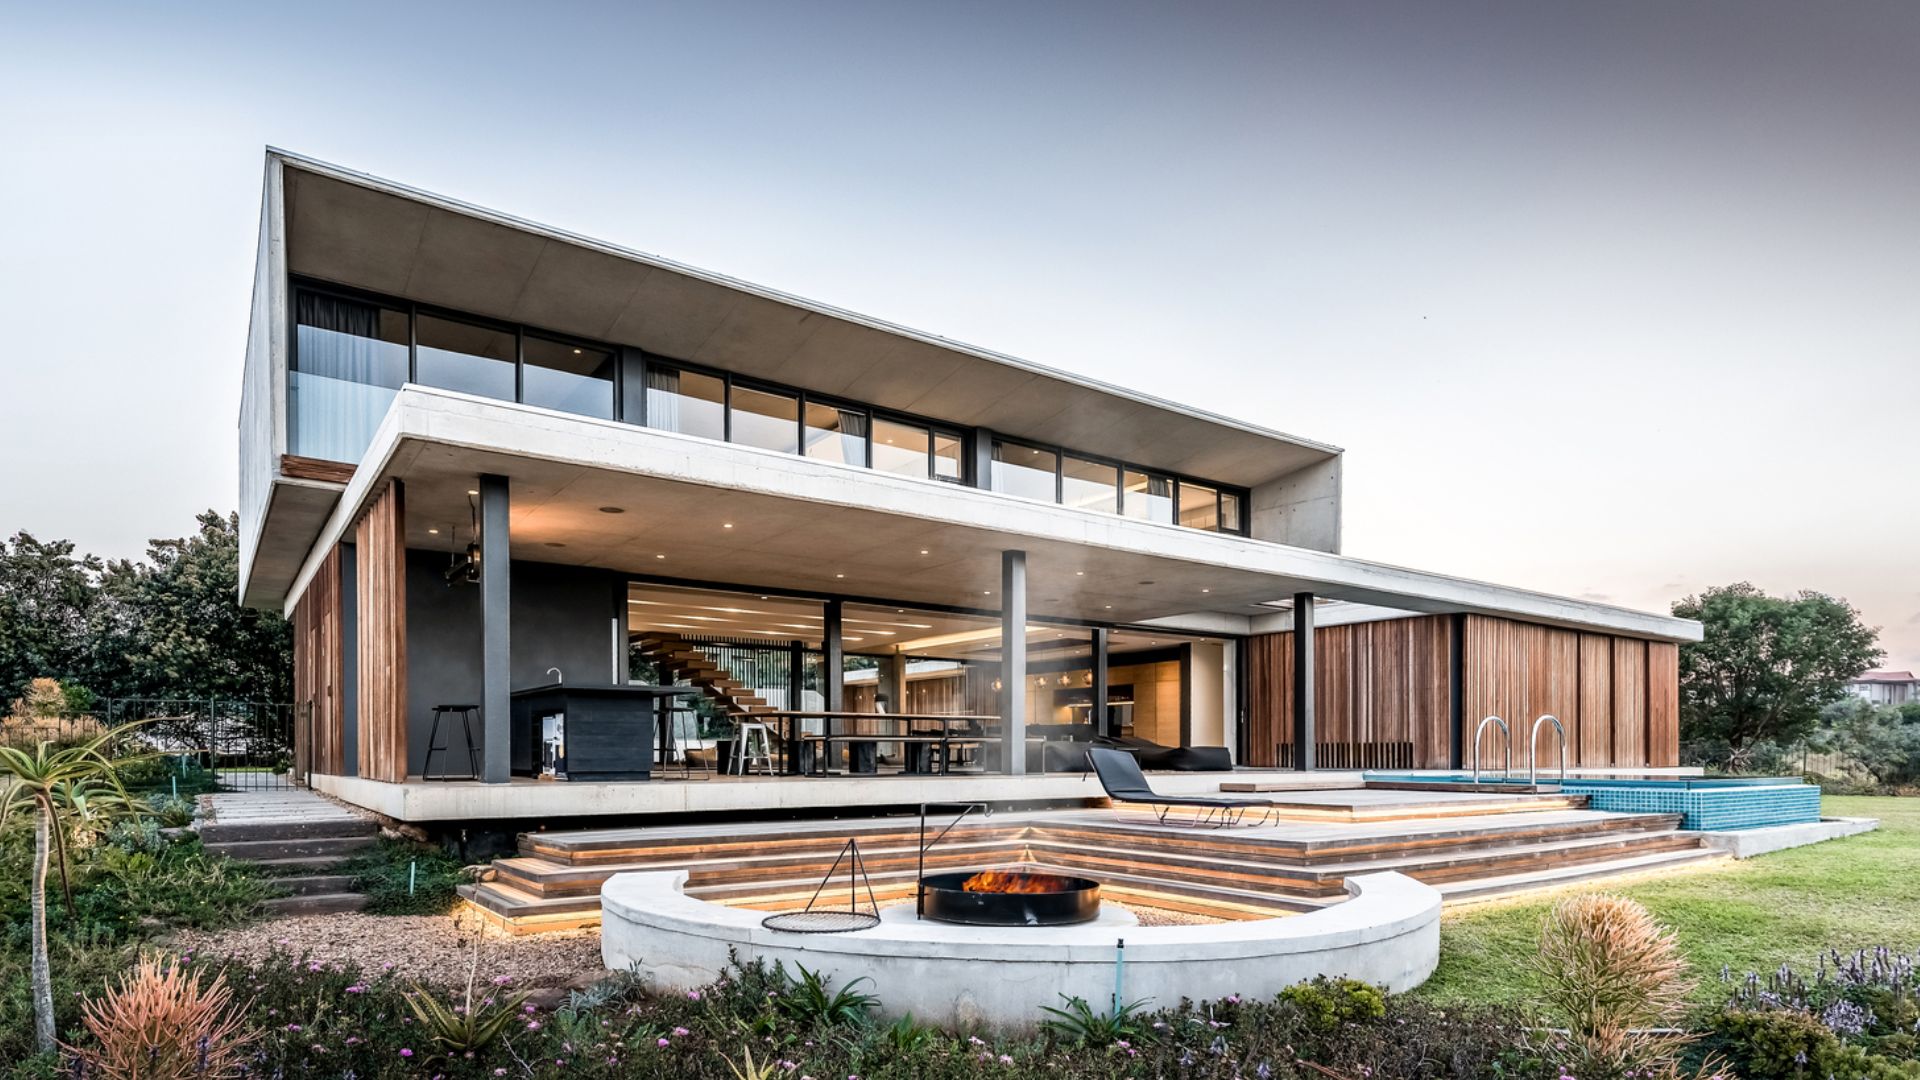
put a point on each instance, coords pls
(1013, 897)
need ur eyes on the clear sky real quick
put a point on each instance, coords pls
(1615, 300)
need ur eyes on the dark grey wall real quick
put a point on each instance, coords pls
(562, 617)
(349, 661)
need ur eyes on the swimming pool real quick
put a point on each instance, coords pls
(1705, 803)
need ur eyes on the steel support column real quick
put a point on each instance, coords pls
(496, 644)
(1100, 714)
(1013, 662)
(1303, 727)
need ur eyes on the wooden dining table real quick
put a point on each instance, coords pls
(945, 736)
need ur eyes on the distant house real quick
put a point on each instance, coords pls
(1886, 687)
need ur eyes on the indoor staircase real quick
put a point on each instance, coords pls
(674, 655)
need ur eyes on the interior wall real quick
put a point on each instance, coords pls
(1207, 694)
(560, 617)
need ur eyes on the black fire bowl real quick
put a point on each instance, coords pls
(944, 900)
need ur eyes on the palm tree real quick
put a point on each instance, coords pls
(41, 780)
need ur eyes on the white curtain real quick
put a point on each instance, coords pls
(663, 398)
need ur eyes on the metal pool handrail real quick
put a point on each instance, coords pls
(1533, 749)
(1481, 731)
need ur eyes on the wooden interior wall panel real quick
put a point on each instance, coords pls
(1663, 703)
(1591, 735)
(381, 559)
(1630, 702)
(1376, 683)
(1269, 696)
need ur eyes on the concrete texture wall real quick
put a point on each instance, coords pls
(1301, 509)
(561, 618)
(263, 378)
(1387, 933)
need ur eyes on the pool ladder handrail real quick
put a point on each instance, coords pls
(1533, 750)
(1479, 733)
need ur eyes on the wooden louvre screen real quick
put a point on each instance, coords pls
(380, 552)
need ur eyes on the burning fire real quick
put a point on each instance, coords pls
(1015, 881)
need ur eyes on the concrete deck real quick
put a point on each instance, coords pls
(462, 800)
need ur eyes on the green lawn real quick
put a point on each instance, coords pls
(1752, 915)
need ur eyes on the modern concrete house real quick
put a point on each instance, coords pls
(490, 464)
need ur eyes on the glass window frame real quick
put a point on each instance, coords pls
(633, 362)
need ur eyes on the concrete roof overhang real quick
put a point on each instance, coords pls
(835, 530)
(358, 230)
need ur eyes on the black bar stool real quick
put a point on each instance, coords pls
(435, 746)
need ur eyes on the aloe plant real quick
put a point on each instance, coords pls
(35, 780)
(471, 1028)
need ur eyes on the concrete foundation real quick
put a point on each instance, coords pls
(1746, 843)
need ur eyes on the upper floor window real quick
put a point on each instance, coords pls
(687, 402)
(767, 419)
(1148, 497)
(837, 434)
(472, 358)
(568, 377)
(1027, 471)
(1090, 485)
(349, 358)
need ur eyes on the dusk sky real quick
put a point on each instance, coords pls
(1614, 300)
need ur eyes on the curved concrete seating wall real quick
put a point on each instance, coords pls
(1387, 933)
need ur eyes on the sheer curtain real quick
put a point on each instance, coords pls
(344, 376)
(663, 398)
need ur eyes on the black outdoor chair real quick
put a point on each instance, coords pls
(1120, 774)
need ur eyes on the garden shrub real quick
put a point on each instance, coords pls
(1329, 1003)
(382, 873)
(1618, 982)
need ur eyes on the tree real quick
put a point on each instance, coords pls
(171, 627)
(1767, 665)
(46, 599)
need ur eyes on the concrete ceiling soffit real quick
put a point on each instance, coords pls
(473, 265)
(351, 234)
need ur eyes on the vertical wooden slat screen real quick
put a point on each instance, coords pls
(1381, 695)
(1630, 702)
(1590, 738)
(1663, 703)
(381, 558)
(317, 671)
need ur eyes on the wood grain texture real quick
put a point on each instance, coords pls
(1380, 693)
(294, 467)
(381, 561)
(318, 664)
(1663, 703)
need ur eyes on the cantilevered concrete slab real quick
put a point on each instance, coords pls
(728, 514)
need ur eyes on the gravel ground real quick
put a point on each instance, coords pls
(425, 948)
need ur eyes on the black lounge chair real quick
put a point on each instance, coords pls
(1120, 774)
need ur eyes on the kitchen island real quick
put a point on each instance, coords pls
(596, 732)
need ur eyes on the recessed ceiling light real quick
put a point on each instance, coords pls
(659, 556)
(986, 592)
(1079, 573)
(434, 532)
(839, 575)
(1206, 590)
(727, 525)
(576, 352)
(923, 551)
(473, 491)
(1109, 607)
(613, 510)
(763, 598)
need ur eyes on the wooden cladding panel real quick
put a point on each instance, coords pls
(1663, 703)
(381, 558)
(1630, 702)
(1590, 738)
(318, 665)
(1374, 683)
(295, 467)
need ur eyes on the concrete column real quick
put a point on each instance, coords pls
(834, 657)
(1303, 728)
(496, 645)
(1013, 661)
(893, 682)
(1102, 724)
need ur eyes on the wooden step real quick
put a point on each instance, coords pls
(1493, 888)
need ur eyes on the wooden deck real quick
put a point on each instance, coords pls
(1512, 844)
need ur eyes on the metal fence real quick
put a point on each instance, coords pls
(245, 745)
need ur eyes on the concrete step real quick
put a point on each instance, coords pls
(314, 904)
(1495, 887)
(302, 864)
(225, 832)
(315, 884)
(295, 848)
